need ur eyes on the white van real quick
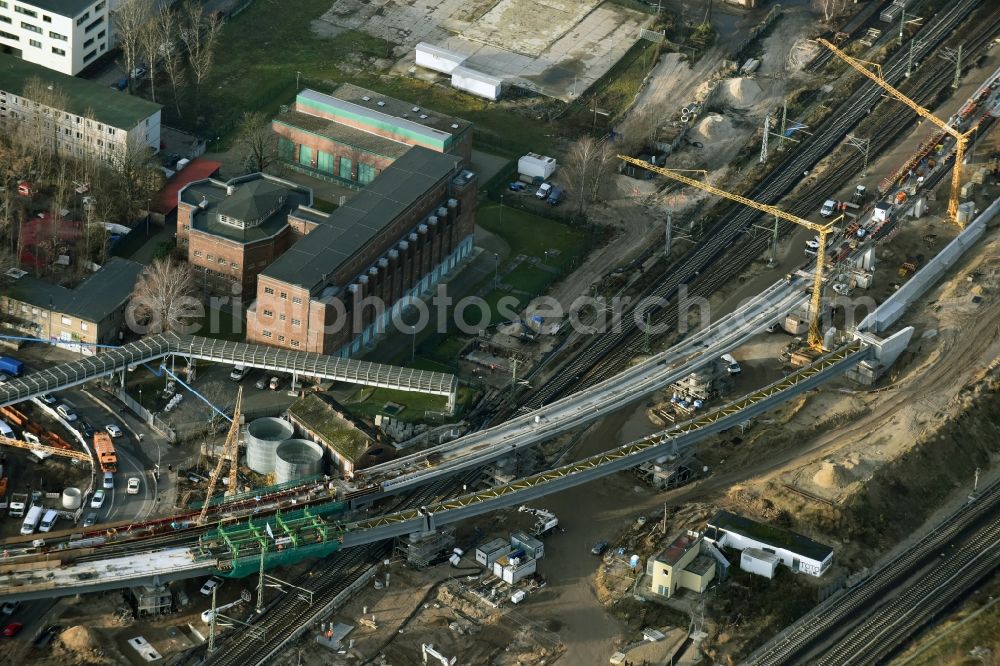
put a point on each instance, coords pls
(732, 367)
(50, 518)
(30, 523)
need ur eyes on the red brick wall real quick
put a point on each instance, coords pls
(250, 258)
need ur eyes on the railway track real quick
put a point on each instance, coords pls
(613, 349)
(327, 580)
(837, 613)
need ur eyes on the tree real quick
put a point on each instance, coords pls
(163, 299)
(39, 126)
(135, 177)
(199, 35)
(830, 8)
(256, 140)
(586, 169)
(129, 21)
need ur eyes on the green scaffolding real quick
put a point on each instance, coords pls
(294, 536)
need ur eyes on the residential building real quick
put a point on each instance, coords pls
(353, 134)
(91, 119)
(684, 564)
(233, 230)
(92, 313)
(319, 418)
(797, 552)
(62, 35)
(391, 243)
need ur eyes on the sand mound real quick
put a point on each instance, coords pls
(741, 93)
(831, 475)
(82, 644)
(713, 127)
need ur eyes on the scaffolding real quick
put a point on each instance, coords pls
(421, 550)
(150, 600)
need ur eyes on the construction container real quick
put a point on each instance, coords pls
(71, 498)
(263, 438)
(477, 83)
(518, 597)
(297, 459)
(759, 562)
(536, 166)
(437, 58)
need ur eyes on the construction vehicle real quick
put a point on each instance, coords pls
(47, 450)
(909, 267)
(823, 231)
(545, 520)
(428, 650)
(230, 451)
(961, 139)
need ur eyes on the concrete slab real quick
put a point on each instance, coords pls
(556, 47)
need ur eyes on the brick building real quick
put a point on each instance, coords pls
(233, 230)
(353, 134)
(393, 241)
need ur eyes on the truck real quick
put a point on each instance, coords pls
(105, 450)
(11, 366)
(17, 503)
(31, 521)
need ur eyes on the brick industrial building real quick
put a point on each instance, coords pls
(394, 241)
(350, 136)
(232, 230)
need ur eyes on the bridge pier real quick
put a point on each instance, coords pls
(885, 353)
(452, 402)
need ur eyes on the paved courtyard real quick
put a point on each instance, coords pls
(555, 47)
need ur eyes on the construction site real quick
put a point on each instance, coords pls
(783, 452)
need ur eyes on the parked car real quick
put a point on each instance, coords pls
(12, 629)
(48, 398)
(139, 72)
(120, 84)
(113, 430)
(516, 186)
(9, 607)
(599, 548)
(829, 206)
(555, 196)
(212, 583)
(86, 429)
(543, 191)
(238, 373)
(90, 520)
(133, 486)
(261, 383)
(46, 636)
(275, 383)
(98, 501)
(732, 367)
(4, 378)
(109, 481)
(66, 412)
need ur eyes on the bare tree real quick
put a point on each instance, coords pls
(637, 131)
(135, 177)
(129, 20)
(256, 140)
(163, 299)
(585, 170)
(39, 123)
(166, 29)
(200, 35)
(830, 9)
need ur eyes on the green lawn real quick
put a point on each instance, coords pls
(369, 402)
(532, 235)
(221, 325)
(263, 50)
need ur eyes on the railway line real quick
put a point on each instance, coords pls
(836, 615)
(614, 349)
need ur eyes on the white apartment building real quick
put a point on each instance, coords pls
(95, 120)
(62, 35)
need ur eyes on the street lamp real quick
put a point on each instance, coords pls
(413, 347)
(501, 210)
(496, 270)
(140, 396)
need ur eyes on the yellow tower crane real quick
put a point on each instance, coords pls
(961, 139)
(824, 230)
(51, 450)
(230, 450)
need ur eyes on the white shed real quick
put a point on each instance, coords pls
(477, 83)
(536, 166)
(759, 562)
(437, 58)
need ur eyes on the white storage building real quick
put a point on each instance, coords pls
(477, 83)
(759, 562)
(797, 552)
(512, 569)
(437, 58)
(491, 551)
(531, 546)
(536, 166)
